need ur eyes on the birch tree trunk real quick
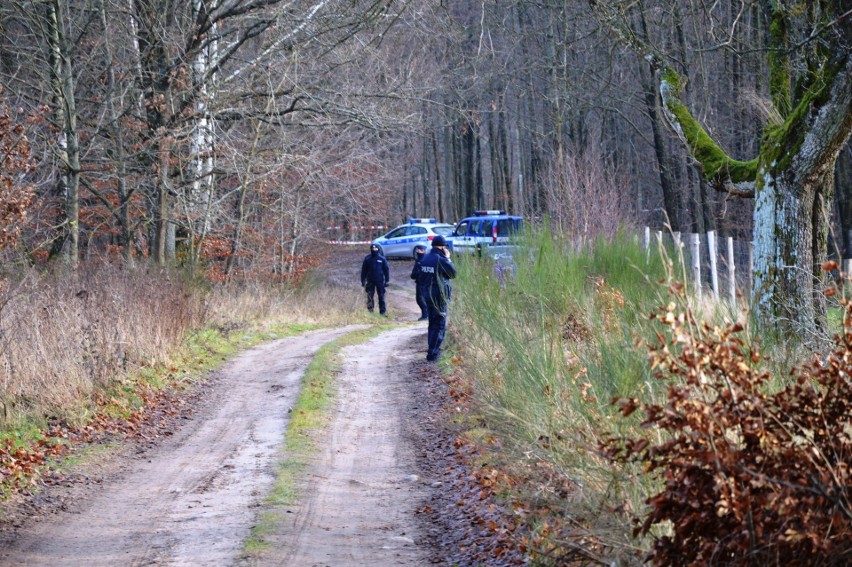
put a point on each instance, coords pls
(200, 199)
(69, 148)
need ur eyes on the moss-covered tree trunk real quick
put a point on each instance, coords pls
(794, 190)
(791, 179)
(790, 231)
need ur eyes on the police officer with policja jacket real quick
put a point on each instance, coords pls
(375, 275)
(436, 271)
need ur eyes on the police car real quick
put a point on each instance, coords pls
(482, 229)
(400, 242)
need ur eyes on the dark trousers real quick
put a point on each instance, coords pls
(420, 296)
(437, 330)
(373, 290)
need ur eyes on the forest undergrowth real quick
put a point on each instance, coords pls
(85, 355)
(635, 424)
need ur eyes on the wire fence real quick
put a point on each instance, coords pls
(718, 267)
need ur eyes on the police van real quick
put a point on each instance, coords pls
(484, 228)
(400, 242)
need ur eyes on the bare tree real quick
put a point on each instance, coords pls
(164, 84)
(810, 82)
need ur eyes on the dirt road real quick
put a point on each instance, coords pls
(193, 499)
(359, 506)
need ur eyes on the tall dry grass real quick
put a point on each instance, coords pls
(64, 335)
(317, 300)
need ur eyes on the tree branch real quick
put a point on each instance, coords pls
(723, 172)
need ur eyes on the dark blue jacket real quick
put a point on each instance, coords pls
(415, 271)
(436, 271)
(375, 270)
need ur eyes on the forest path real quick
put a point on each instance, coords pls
(193, 498)
(360, 497)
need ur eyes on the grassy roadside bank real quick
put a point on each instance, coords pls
(547, 344)
(551, 341)
(88, 358)
(310, 414)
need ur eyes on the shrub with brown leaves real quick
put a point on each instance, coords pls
(750, 477)
(15, 197)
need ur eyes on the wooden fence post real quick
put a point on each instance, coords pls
(695, 256)
(732, 274)
(714, 271)
(693, 242)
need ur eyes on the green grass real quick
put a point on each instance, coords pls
(24, 433)
(548, 350)
(309, 416)
(545, 352)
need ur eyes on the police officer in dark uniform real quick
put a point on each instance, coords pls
(419, 293)
(375, 275)
(436, 271)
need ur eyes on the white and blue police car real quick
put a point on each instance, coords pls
(484, 228)
(400, 242)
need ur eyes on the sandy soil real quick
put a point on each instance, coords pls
(192, 499)
(360, 498)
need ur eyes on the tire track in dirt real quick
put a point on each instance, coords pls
(359, 499)
(193, 499)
